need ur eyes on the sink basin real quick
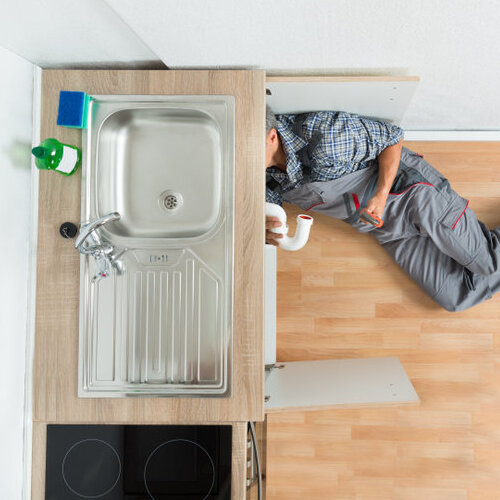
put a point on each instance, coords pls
(164, 169)
(161, 323)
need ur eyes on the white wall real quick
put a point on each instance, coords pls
(16, 97)
(71, 33)
(453, 45)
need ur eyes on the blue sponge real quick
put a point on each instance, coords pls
(73, 109)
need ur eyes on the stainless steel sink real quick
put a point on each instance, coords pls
(161, 323)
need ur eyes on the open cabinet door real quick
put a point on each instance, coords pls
(378, 97)
(270, 305)
(314, 385)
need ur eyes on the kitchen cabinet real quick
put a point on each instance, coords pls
(312, 385)
(345, 382)
(57, 312)
(55, 362)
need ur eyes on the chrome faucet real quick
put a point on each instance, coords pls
(89, 242)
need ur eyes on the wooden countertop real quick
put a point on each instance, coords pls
(57, 307)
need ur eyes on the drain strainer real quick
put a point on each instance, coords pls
(170, 200)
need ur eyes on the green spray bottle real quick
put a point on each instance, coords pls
(54, 155)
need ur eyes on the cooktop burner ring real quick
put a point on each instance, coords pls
(175, 441)
(67, 482)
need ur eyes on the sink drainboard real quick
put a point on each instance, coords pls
(150, 330)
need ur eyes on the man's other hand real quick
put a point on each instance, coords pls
(377, 204)
(271, 238)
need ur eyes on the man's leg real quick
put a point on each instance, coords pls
(460, 235)
(441, 277)
(441, 214)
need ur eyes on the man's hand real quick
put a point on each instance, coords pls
(388, 164)
(377, 204)
(271, 238)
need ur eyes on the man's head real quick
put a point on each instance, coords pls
(272, 139)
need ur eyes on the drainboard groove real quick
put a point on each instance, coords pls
(142, 331)
(188, 334)
(135, 308)
(176, 326)
(163, 324)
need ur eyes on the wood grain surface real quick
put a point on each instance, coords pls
(343, 297)
(56, 330)
(39, 445)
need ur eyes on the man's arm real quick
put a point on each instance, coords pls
(388, 164)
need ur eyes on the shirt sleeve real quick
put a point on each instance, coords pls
(274, 197)
(353, 139)
(382, 134)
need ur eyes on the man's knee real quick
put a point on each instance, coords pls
(451, 307)
(445, 303)
(458, 295)
(483, 266)
(452, 297)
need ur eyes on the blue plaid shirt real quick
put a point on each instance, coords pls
(349, 143)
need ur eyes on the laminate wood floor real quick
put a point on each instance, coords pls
(343, 297)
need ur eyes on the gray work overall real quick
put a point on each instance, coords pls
(428, 228)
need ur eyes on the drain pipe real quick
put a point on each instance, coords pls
(304, 223)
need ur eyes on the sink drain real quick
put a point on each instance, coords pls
(170, 200)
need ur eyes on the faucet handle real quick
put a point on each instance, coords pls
(87, 228)
(103, 267)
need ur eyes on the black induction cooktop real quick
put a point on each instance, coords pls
(138, 462)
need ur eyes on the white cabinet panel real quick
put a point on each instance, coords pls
(382, 99)
(345, 382)
(270, 305)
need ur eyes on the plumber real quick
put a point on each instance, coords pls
(337, 163)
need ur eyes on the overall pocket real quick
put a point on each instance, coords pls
(461, 236)
(304, 196)
(406, 178)
(454, 213)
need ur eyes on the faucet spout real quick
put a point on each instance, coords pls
(86, 229)
(304, 223)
